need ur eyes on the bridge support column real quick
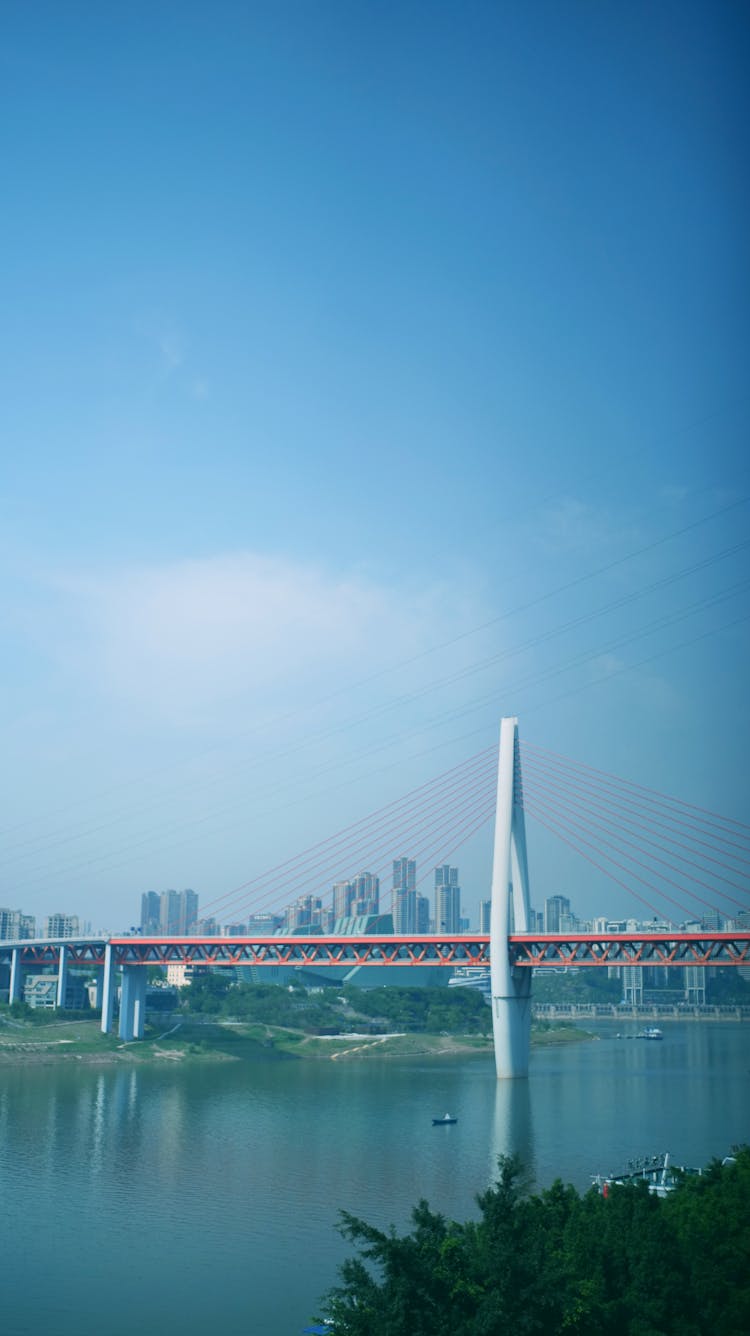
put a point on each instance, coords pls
(62, 979)
(510, 985)
(15, 992)
(139, 1003)
(106, 981)
(132, 1002)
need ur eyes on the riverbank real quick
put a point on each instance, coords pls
(81, 1041)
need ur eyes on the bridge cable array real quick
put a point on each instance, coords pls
(615, 824)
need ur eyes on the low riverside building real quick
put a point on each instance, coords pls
(40, 992)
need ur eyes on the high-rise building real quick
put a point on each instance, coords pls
(358, 897)
(556, 910)
(150, 913)
(447, 900)
(485, 910)
(169, 913)
(16, 926)
(343, 895)
(306, 912)
(188, 911)
(206, 927)
(365, 893)
(178, 913)
(61, 925)
(422, 915)
(404, 895)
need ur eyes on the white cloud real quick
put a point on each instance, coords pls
(189, 637)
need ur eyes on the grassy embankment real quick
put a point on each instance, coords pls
(56, 1040)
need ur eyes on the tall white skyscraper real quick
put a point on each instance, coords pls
(404, 895)
(342, 899)
(447, 899)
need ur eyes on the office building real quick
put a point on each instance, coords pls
(263, 925)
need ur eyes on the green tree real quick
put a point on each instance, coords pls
(558, 1263)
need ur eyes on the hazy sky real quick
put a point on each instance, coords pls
(333, 333)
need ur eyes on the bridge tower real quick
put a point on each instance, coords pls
(509, 912)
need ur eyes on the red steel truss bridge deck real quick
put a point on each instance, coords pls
(537, 951)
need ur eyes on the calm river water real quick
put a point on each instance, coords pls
(205, 1198)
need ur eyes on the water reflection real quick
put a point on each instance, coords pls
(234, 1174)
(512, 1126)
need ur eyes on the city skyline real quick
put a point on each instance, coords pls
(369, 380)
(180, 912)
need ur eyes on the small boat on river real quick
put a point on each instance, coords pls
(651, 1032)
(445, 1121)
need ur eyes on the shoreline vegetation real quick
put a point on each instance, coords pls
(178, 1040)
(628, 1263)
(220, 1019)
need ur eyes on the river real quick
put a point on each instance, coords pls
(201, 1197)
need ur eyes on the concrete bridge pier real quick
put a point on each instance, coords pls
(510, 985)
(105, 989)
(62, 979)
(15, 991)
(133, 1002)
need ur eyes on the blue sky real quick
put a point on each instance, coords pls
(333, 332)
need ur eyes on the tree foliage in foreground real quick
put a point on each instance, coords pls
(630, 1264)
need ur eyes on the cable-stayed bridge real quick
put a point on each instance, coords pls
(624, 830)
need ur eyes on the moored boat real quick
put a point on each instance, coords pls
(657, 1171)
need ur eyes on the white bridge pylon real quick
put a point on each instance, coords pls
(510, 986)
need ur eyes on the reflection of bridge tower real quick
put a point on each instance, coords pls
(511, 986)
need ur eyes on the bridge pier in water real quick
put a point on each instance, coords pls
(510, 985)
